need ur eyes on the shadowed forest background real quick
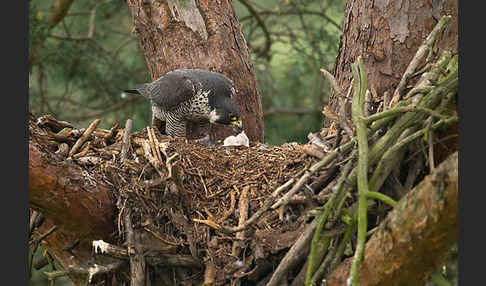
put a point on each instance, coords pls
(80, 65)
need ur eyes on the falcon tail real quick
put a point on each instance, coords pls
(134, 91)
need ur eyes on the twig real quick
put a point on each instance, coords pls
(322, 219)
(92, 22)
(342, 245)
(266, 206)
(386, 100)
(84, 137)
(41, 262)
(413, 172)
(203, 183)
(295, 254)
(209, 273)
(154, 144)
(155, 259)
(400, 110)
(329, 158)
(430, 139)
(43, 236)
(137, 260)
(261, 23)
(319, 273)
(33, 217)
(367, 105)
(294, 12)
(243, 206)
(126, 139)
(156, 235)
(389, 162)
(342, 113)
(382, 197)
(333, 82)
(90, 271)
(362, 169)
(430, 100)
(312, 152)
(109, 137)
(422, 50)
(230, 210)
(392, 151)
(330, 114)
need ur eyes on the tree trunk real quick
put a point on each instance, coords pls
(200, 34)
(387, 34)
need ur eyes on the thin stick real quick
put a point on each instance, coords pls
(137, 260)
(84, 137)
(430, 140)
(295, 254)
(342, 245)
(333, 82)
(243, 206)
(392, 151)
(126, 139)
(303, 180)
(342, 113)
(400, 110)
(422, 50)
(156, 235)
(40, 238)
(330, 205)
(33, 218)
(312, 152)
(382, 197)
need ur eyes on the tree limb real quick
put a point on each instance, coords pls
(56, 185)
(424, 224)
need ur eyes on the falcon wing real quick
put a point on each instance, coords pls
(170, 90)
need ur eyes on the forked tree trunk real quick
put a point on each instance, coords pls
(200, 34)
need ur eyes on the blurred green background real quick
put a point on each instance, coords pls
(78, 78)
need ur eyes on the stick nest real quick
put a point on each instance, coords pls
(180, 199)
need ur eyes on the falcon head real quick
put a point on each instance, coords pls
(226, 112)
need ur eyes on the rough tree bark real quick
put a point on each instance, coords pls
(200, 34)
(427, 219)
(75, 201)
(387, 34)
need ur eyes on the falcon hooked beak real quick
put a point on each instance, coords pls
(238, 126)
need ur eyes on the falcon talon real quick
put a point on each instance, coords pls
(194, 95)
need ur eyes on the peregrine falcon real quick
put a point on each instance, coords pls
(195, 95)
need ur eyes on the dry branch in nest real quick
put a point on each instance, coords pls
(267, 215)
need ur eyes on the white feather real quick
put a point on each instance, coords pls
(213, 117)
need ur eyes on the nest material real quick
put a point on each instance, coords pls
(168, 201)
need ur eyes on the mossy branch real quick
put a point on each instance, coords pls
(360, 87)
